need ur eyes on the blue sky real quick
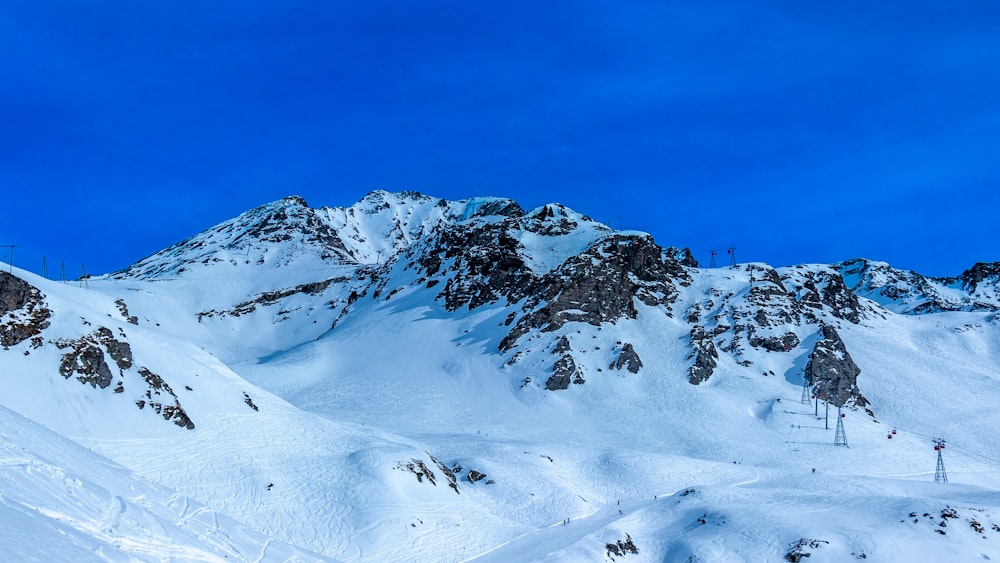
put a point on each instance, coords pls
(794, 131)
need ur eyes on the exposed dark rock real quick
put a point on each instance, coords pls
(475, 476)
(123, 309)
(694, 314)
(271, 297)
(23, 310)
(486, 263)
(157, 388)
(975, 275)
(120, 352)
(621, 547)
(799, 550)
(826, 287)
(627, 358)
(833, 373)
(783, 343)
(86, 359)
(600, 285)
(564, 372)
(249, 401)
(449, 474)
(505, 207)
(418, 468)
(562, 345)
(704, 354)
(683, 256)
(550, 220)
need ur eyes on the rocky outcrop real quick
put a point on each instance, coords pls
(425, 473)
(564, 372)
(620, 548)
(683, 256)
(486, 264)
(600, 285)
(979, 272)
(474, 476)
(162, 399)
(628, 359)
(249, 402)
(824, 288)
(85, 357)
(123, 309)
(550, 220)
(271, 297)
(704, 354)
(783, 343)
(799, 550)
(22, 309)
(832, 372)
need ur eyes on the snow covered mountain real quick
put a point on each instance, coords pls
(415, 379)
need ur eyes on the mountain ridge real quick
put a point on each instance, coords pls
(412, 378)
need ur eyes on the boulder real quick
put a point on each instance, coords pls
(832, 371)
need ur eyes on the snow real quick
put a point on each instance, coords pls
(722, 471)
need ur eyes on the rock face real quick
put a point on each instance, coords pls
(979, 272)
(22, 309)
(486, 264)
(704, 354)
(162, 399)
(769, 314)
(825, 287)
(600, 285)
(85, 357)
(628, 359)
(564, 371)
(833, 373)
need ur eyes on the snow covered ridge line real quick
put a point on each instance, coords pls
(567, 377)
(546, 268)
(902, 291)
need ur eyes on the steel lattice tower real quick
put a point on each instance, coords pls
(840, 437)
(940, 475)
(806, 396)
(712, 263)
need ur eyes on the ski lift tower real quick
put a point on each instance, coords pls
(840, 437)
(940, 476)
(732, 257)
(712, 263)
(10, 248)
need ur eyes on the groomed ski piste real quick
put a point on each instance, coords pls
(329, 462)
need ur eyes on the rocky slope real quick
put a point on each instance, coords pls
(408, 332)
(546, 270)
